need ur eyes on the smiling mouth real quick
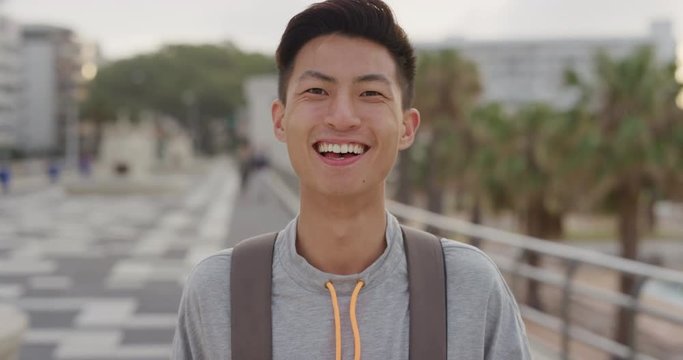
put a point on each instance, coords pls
(340, 151)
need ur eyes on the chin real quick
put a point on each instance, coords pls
(350, 188)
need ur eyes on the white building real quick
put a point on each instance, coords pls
(10, 82)
(523, 71)
(260, 91)
(51, 74)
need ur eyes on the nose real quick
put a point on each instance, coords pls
(342, 115)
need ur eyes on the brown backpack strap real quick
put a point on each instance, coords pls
(251, 273)
(427, 286)
(250, 296)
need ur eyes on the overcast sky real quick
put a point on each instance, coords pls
(126, 27)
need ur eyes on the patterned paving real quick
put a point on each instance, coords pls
(101, 276)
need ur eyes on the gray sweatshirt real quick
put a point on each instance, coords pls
(483, 318)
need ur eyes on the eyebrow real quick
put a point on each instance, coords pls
(317, 75)
(371, 78)
(326, 78)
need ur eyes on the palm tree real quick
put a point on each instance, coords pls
(447, 89)
(532, 158)
(637, 131)
(668, 129)
(492, 132)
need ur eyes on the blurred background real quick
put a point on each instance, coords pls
(135, 139)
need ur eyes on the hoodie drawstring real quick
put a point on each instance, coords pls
(337, 321)
(354, 323)
(352, 314)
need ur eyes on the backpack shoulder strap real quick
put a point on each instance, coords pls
(251, 274)
(250, 296)
(427, 287)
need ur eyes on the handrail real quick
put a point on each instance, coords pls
(561, 251)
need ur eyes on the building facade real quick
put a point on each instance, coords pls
(10, 83)
(260, 91)
(51, 76)
(517, 72)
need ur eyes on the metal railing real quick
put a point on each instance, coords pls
(512, 261)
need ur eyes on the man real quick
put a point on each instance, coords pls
(345, 89)
(5, 178)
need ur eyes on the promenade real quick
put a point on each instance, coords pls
(101, 276)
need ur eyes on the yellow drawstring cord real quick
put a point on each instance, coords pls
(354, 323)
(337, 320)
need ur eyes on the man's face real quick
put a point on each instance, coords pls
(343, 123)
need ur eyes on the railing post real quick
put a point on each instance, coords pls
(520, 256)
(633, 308)
(570, 271)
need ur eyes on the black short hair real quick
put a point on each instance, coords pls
(368, 19)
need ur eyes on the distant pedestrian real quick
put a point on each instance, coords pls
(53, 171)
(5, 178)
(260, 160)
(84, 165)
(244, 157)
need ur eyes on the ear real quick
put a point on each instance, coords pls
(278, 113)
(411, 121)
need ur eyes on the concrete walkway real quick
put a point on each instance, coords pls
(100, 277)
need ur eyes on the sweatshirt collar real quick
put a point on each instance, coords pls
(313, 279)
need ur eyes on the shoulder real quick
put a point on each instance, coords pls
(463, 257)
(469, 267)
(479, 298)
(210, 273)
(204, 312)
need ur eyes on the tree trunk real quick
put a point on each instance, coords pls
(459, 198)
(475, 218)
(651, 215)
(554, 226)
(628, 195)
(434, 189)
(404, 190)
(536, 224)
(434, 202)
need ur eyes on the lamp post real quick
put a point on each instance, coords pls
(72, 133)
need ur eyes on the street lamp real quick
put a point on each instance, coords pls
(74, 96)
(72, 132)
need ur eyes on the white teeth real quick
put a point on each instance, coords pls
(341, 149)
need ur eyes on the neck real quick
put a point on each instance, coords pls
(341, 235)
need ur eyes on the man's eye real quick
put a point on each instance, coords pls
(371, 93)
(316, 91)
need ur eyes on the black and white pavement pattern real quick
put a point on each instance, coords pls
(100, 277)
